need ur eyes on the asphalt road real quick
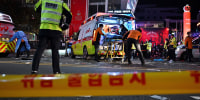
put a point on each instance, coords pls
(11, 65)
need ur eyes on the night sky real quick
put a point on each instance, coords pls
(195, 4)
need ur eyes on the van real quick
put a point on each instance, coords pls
(83, 44)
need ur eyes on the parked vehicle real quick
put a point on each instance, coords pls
(83, 44)
(181, 50)
(6, 32)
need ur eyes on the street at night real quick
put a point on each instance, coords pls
(11, 65)
(99, 50)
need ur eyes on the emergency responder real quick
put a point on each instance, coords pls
(149, 45)
(22, 41)
(188, 45)
(52, 12)
(134, 37)
(123, 31)
(166, 48)
(96, 40)
(172, 46)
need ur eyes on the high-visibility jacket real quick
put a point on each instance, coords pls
(51, 13)
(188, 42)
(173, 42)
(97, 35)
(149, 45)
(165, 45)
(134, 34)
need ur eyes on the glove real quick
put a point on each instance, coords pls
(64, 26)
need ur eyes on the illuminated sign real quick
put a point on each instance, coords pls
(186, 20)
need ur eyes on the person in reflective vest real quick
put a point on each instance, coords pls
(166, 48)
(149, 45)
(172, 46)
(52, 13)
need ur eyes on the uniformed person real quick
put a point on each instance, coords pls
(149, 45)
(96, 39)
(172, 46)
(134, 37)
(166, 48)
(52, 12)
(188, 45)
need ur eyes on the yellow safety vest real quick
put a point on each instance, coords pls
(51, 13)
(173, 42)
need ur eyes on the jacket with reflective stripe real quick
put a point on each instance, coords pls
(51, 13)
(173, 42)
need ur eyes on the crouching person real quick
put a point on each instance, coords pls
(22, 41)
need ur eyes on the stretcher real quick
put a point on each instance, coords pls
(114, 50)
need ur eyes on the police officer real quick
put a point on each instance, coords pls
(172, 46)
(52, 12)
(149, 45)
(134, 37)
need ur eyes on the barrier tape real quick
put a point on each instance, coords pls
(3, 47)
(100, 84)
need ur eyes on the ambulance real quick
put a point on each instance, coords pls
(83, 44)
(6, 32)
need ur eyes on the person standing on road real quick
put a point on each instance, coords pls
(52, 12)
(123, 31)
(22, 41)
(172, 46)
(166, 48)
(188, 45)
(96, 40)
(134, 37)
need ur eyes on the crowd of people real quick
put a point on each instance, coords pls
(166, 50)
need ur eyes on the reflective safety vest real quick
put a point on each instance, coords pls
(173, 42)
(149, 45)
(51, 13)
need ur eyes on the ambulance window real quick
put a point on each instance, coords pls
(96, 26)
(75, 37)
